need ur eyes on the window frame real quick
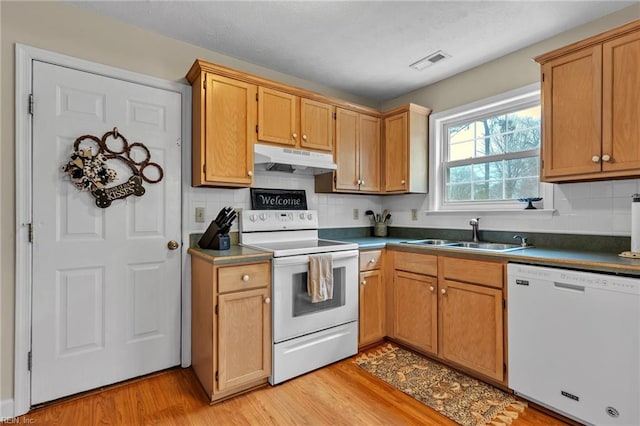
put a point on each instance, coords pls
(520, 98)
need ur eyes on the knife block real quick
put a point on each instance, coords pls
(212, 240)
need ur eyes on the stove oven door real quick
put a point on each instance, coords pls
(293, 313)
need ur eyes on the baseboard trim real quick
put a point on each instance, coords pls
(6, 410)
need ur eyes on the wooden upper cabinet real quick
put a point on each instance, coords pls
(369, 153)
(590, 93)
(347, 176)
(223, 141)
(405, 160)
(357, 152)
(316, 125)
(620, 104)
(287, 119)
(277, 117)
(395, 152)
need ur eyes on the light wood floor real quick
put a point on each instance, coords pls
(340, 394)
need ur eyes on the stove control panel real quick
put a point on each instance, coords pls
(277, 220)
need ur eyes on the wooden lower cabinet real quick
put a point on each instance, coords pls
(230, 326)
(371, 298)
(451, 308)
(471, 327)
(416, 311)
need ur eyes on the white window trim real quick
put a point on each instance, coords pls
(518, 97)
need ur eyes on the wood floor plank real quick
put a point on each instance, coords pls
(340, 394)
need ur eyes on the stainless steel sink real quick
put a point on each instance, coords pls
(430, 242)
(487, 246)
(498, 247)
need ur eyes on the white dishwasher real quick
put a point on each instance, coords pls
(574, 342)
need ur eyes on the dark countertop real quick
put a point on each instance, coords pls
(235, 254)
(585, 260)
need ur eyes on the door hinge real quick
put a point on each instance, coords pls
(30, 232)
(542, 164)
(542, 77)
(504, 368)
(256, 128)
(216, 310)
(29, 361)
(216, 376)
(204, 169)
(256, 97)
(504, 303)
(335, 116)
(31, 104)
(204, 84)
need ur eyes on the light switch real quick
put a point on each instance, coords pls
(199, 214)
(356, 214)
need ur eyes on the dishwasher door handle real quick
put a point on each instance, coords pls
(570, 287)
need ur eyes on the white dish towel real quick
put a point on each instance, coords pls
(320, 281)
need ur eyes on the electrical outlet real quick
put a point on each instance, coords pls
(356, 214)
(199, 214)
(414, 214)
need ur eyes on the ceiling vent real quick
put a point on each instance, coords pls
(429, 60)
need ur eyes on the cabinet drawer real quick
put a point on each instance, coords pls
(371, 259)
(473, 271)
(418, 263)
(242, 277)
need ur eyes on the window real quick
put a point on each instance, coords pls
(488, 152)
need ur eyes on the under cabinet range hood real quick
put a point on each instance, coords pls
(280, 159)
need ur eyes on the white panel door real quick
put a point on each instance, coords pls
(106, 287)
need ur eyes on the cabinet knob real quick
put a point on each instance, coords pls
(403, 181)
(372, 261)
(432, 288)
(267, 301)
(606, 157)
(304, 137)
(361, 182)
(245, 278)
(249, 173)
(595, 159)
(363, 282)
(295, 136)
(443, 291)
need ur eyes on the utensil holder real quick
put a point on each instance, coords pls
(380, 229)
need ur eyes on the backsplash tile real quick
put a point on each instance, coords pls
(590, 208)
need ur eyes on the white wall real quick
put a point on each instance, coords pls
(600, 208)
(597, 208)
(334, 211)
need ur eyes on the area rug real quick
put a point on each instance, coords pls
(461, 398)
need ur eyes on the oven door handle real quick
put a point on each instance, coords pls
(298, 260)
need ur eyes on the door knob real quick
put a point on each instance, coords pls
(172, 245)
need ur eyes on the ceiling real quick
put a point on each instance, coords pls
(360, 47)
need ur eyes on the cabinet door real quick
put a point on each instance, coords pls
(371, 307)
(369, 152)
(316, 125)
(347, 177)
(416, 310)
(244, 338)
(277, 116)
(395, 152)
(621, 109)
(471, 332)
(572, 108)
(230, 118)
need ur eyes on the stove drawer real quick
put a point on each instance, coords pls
(243, 277)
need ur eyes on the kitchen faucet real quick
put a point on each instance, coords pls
(474, 228)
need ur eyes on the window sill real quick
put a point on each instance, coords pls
(538, 213)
